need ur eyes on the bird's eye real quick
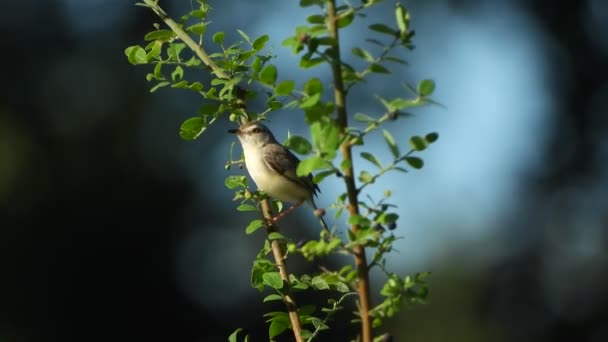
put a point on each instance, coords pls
(256, 130)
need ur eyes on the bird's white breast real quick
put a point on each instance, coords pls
(272, 183)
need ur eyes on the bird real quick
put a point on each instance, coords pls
(273, 168)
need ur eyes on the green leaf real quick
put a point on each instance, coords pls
(426, 87)
(371, 158)
(159, 85)
(307, 62)
(402, 18)
(311, 101)
(377, 68)
(365, 177)
(256, 66)
(319, 283)
(392, 145)
(174, 50)
(431, 137)
(273, 279)
(322, 175)
(260, 42)
(415, 162)
(272, 297)
(309, 165)
(313, 86)
(387, 218)
(177, 74)
(198, 28)
(253, 226)
(276, 328)
(198, 14)
(299, 144)
(346, 18)
(363, 118)
(233, 337)
(395, 59)
(418, 143)
(306, 310)
(192, 128)
(316, 19)
(276, 236)
(218, 37)
(359, 220)
(308, 3)
(235, 181)
(155, 50)
(269, 75)
(246, 207)
(284, 88)
(159, 35)
(208, 109)
(157, 71)
(244, 35)
(136, 54)
(326, 138)
(180, 85)
(363, 54)
(383, 29)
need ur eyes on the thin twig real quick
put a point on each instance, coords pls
(278, 254)
(181, 34)
(351, 189)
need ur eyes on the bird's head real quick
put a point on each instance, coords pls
(254, 133)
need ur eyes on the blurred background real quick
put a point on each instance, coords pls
(113, 228)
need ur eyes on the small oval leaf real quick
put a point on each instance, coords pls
(415, 162)
(431, 137)
(426, 87)
(309, 165)
(192, 128)
(418, 143)
(299, 144)
(285, 87)
(269, 75)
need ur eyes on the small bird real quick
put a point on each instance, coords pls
(273, 167)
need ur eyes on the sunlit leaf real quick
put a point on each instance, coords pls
(268, 75)
(192, 128)
(218, 37)
(309, 165)
(426, 87)
(285, 87)
(253, 226)
(260, 42)
(298, 144)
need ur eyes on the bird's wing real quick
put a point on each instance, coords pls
(282, 161)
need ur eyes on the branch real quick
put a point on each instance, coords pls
(279, 259)
(277, 251)
(185, 37)
(351, 189)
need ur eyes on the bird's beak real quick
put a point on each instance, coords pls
(234, 131)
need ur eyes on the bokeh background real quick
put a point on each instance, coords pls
(113, 228)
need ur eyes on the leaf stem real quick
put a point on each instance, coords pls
(363, 286)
